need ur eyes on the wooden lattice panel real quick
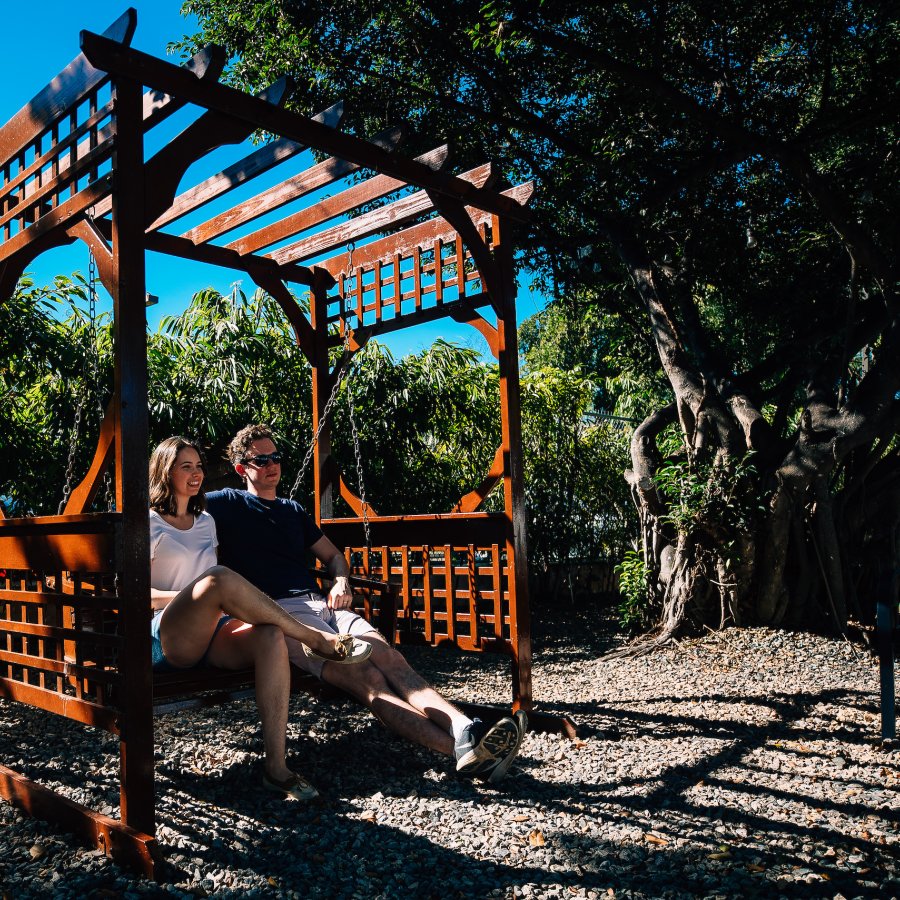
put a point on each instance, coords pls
(449, 593)
(409, 282)
(64, 162)
(59, 626)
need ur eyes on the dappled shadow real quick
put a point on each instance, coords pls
(736, 796)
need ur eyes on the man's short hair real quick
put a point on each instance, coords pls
(240, 443)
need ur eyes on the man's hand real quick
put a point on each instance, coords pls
(340, 596)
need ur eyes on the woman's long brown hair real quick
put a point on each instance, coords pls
(162, 460)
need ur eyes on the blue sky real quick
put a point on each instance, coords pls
(28, 68)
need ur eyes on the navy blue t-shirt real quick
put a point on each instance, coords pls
(266, 541)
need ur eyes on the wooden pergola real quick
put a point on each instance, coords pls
(74, 588)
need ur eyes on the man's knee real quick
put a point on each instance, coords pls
(387, 659)
(364, 680)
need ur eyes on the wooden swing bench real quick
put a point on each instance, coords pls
(202, 687)
(74, 588)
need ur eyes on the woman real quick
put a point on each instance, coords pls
(206, 614)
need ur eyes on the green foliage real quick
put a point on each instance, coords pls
(429, 426)
(637, 608)
(47, 355)
(578, 503)
(712, 496)
(228, 360)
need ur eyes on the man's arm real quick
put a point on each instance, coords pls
(340, 596)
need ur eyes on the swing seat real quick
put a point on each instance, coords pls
(198, 688)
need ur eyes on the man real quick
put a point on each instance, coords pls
(266, 539)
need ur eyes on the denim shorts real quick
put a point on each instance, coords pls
(160, 663)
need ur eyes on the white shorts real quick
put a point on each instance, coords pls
(312, 610)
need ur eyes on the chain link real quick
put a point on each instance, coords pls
(343, 370)
(90, 380)
(359, 472)
(70, 467)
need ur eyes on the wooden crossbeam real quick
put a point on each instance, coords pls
(423, 235)
(300, 185)
(68, 89)
(173, 245)
(166, 168)
(125, 845)
(390, 216)
(156, 73)
(331, 207)
(208, 62)
(249, 167)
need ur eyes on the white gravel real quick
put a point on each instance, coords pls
(746, 763)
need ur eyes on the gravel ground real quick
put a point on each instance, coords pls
(743, 764)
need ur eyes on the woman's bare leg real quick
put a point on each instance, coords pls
(237, 646)
(189, 621)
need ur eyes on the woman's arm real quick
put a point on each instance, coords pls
(161, 599)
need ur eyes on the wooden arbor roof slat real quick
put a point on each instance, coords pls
(331, 207)
(244, 170)
(397, 213)
(314, 178)
(422, 236)
(115, 58)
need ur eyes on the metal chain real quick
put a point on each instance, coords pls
(70, 467)
(95, 369)
(359, 472)
(90, 379)
(342, 368)
(324, 417)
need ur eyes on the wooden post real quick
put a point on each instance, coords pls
(132, 495)
(513, 473)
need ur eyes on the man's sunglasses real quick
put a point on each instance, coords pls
(264, 459)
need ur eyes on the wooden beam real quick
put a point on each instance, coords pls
(390, 216)
(74, 83)
(312, 179)
(164, 76)
(422, 236)
(242, 171)
(208, 62)
(166, 168)
(136, 797)
(331, 207)
(125, 845)
(465, 309)
(303, 331)
(173, 245)
(471, 501)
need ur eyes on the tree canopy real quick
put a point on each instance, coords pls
(722, 181)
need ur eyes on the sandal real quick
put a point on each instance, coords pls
(295, 787)
(350, 649)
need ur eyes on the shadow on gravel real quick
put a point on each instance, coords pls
(723, 818)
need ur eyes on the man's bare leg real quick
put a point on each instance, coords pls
(410, 686)
(367, 684)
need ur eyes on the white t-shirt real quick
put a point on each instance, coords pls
(177, 557)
